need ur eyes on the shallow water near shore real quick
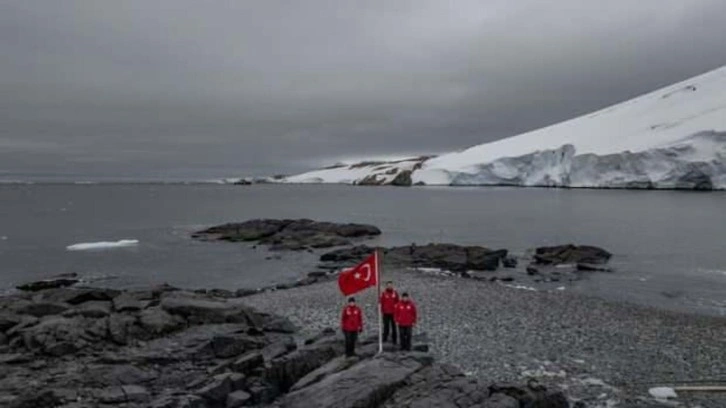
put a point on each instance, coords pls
(668, 246)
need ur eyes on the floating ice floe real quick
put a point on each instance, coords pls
(86, 246)
(522, 287)
(711, 271)
(663, 393)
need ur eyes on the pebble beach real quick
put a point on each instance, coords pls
(602, 353)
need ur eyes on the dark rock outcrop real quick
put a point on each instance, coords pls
(366, 384)
(403, 179)
(371, 180)
(59, 281)
(695, 179)
(290, 234)
(450, 257)
(565, 263)
(173, 349)
(408, 380)
(347, 255)
(571, 254)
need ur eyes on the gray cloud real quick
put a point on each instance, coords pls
(188, 89)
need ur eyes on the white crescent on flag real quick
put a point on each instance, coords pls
(368, 272)
(363, 276)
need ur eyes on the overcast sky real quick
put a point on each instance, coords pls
(188, 89)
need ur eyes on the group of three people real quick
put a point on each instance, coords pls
(399, 317)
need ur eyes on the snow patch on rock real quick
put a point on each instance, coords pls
(364, 173)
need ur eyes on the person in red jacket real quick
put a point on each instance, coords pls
(389, 299)
(352, 324)
(405, 316)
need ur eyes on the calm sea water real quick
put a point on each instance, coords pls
(670, 247)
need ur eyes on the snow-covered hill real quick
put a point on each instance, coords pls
(396, 172)
(671, 138)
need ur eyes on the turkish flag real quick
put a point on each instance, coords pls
(360, 277)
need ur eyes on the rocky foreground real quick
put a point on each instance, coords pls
(603, 354)
(76, 347)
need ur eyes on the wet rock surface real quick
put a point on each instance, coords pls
(59, 281)
(567, 263)
(571, 254)
(451, 257)
(396, 379)
(561, 263)
(292, 235)
(165, 347)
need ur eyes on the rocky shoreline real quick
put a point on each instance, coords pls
(562, 263)
(492, 344)
(163, 347)
(602, 354)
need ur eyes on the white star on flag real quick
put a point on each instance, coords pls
(362, 276)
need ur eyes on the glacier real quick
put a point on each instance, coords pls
(673, 138)
(682, 165)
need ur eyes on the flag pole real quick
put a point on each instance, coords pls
(379, 266)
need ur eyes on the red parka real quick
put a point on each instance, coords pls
(405, 314)
(352, 320)
(389, 298)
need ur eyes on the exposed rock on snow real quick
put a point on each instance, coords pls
(369, 173)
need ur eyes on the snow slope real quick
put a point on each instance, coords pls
(364, 173)
(671, 138)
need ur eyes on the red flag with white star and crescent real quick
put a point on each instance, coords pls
(360, 277)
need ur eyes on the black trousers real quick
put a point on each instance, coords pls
(389, 326)
(405, 337)
(350, 339)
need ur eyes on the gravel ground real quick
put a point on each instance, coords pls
(602, 353)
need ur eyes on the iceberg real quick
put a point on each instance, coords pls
(102, 245)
